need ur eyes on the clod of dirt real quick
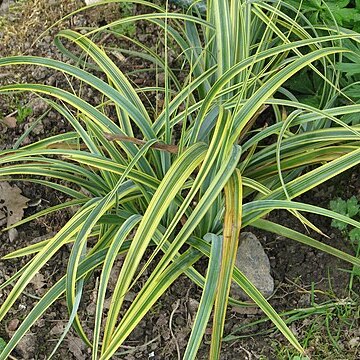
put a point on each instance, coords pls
(13, 204)
(9, 121)
(12, 325)
(253, 262)
(192, 307)
(58, 329)
(354, 342)
(27, 346)
(37, 130)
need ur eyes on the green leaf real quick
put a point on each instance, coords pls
(349, 68)
(231, 232)
(339, 205)
(147, 296)
(353, 206)
(89, 264)
(207, 298)
(354, 236)
(304, 239)
(114, 248)
(166, 192)
(173, 271)
(349, 208)
(2, 344)
(301, 83)
(299, 357)
(310, 5)
(338, 225)
(353, 91)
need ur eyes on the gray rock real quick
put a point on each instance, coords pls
(254, 264)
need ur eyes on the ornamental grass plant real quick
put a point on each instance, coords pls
(183, 195)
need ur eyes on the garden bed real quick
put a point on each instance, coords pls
(303, 276)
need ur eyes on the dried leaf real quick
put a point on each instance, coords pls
(58, 328)
(27, 346)
(76, 346)
(13, 201)
(38, 281)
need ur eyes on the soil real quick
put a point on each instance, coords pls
(303, 276)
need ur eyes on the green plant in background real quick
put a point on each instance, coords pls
(23, 112)
(224, 172)
(339, 15)
(19, 109)
(129, 29)
(344, 13)
(198, 5)
(331, 327)
(350, 208)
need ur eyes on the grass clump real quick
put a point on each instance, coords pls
(190, 198)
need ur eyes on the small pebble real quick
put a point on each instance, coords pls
(13, 324)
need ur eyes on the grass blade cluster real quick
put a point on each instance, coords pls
(165, 210)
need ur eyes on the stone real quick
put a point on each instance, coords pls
(253, 262)
(13, 325)
(10, 121)
(27, 347)
(89, 2)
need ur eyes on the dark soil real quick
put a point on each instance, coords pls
(303, 276)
